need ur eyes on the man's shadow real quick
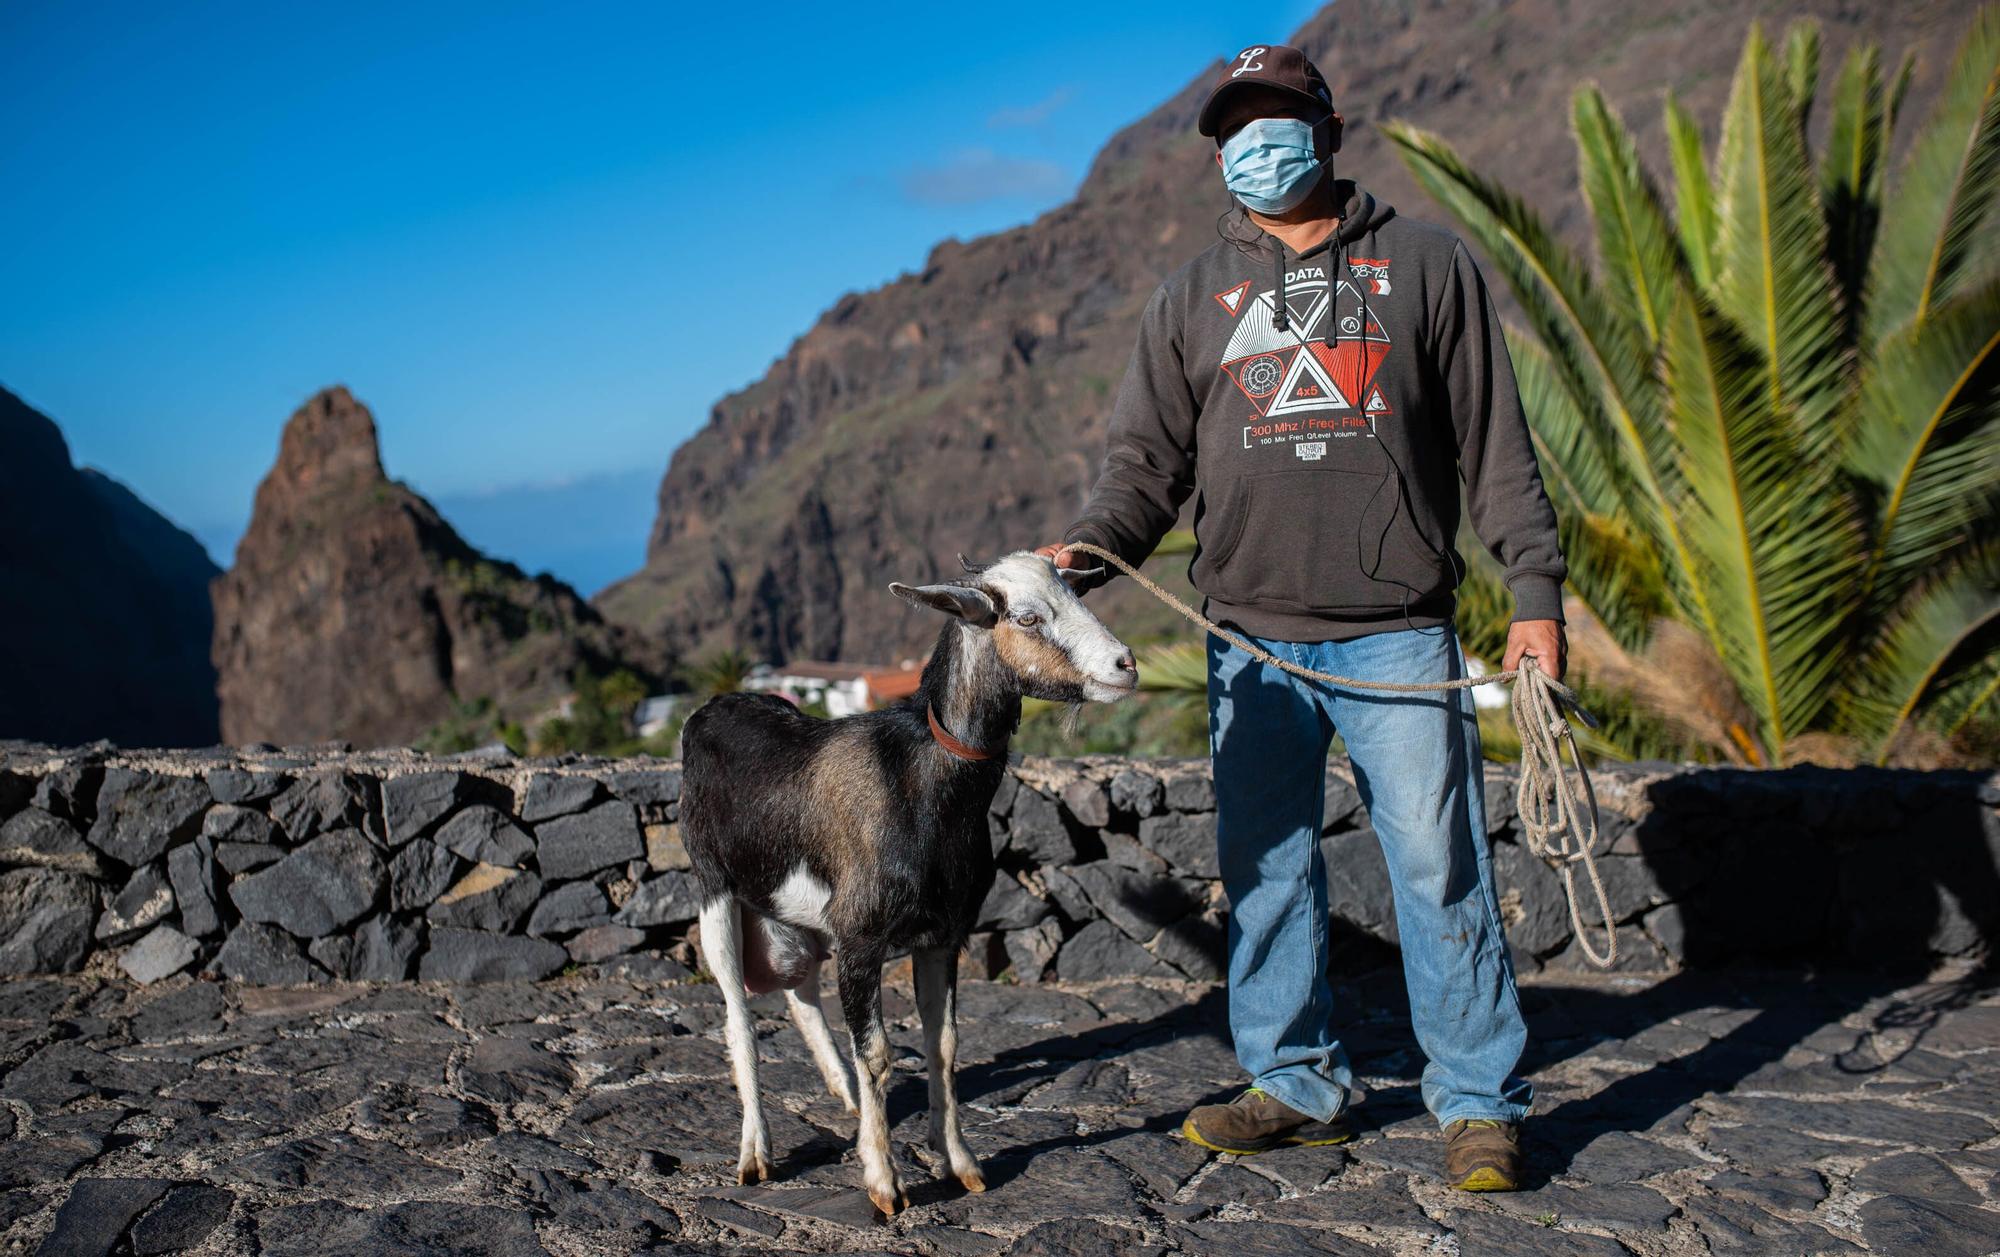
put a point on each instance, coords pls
(1812, 895)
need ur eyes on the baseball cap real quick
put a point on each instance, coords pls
(1266, 65)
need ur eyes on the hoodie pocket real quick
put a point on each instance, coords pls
(1321, 539)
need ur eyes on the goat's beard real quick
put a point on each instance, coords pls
(1072, 718)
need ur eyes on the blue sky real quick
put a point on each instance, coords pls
(538, 240)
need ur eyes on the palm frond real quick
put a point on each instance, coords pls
(1597, 348)
(1754, 514)
(1694, 193)
(1635, 243)
(1931, 242)
(1850, 177)
(1771, 245)
(1923, 646)
(1175, 668)
(1802, 71)
(1928, 445)
(1578, 462)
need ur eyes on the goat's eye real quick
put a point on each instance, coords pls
(1027, 619)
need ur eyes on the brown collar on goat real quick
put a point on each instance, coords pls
(964, 750)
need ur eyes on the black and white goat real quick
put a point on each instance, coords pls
(867, 835)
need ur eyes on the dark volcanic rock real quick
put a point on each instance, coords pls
(1184, 840)
(45, 921)
(144, 902)
(485, 835)
(566, 909)
(345, 573)
(191, 873)
(421, 1228)
(229, 822)
(508, 1071)
(487, 898)
(1935, 1228)
(602, 942)
(476, 956)
(413, 802)
(1037, 830)
(1101, 950)
(242, 785)
(96, 1214)
(1137, 792)
(1009, 906)
(558, 794)
(162, 953)
(379, 950)
(418, 874)
(669, 899)
(315, 890)
(108, 619)
(318, 803)
(187, 1215)
(140, 814)
(264, 955)
(1357, 882)
(576, 846)
(33, 836)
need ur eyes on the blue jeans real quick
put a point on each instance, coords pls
(1416, 760)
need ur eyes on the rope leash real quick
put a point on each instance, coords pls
(1557, 806)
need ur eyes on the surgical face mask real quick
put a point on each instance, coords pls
(1270, 165)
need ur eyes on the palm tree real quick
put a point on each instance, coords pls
(722, 672)
(1768, 419)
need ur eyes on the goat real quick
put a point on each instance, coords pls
(869, 834)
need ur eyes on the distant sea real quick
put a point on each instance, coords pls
(588, 532)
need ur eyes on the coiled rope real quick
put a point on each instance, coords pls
(1557, 806)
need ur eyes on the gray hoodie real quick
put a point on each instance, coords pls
(1325, 404)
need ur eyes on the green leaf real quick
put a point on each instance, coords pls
(1771, 246)
(1759, 516)
(1636, 245)
(1928, 443)
(1850, 177)
(1695, 193)
(1922, 649)
(1802, 71)
(1579, 457)
(1175, 668)
(1931, 243)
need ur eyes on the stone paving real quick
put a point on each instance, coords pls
(588, 1115)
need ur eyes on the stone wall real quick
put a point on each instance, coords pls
(272, 866)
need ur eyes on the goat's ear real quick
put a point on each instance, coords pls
(1082, 578)
(968, 604)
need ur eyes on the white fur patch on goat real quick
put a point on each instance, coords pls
(801, 900)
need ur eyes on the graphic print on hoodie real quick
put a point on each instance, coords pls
(1294, 373)
(1326, 406)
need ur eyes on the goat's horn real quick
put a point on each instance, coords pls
(969, 565)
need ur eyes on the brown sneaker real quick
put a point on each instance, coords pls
(1483, 1155)
(1258, 1122)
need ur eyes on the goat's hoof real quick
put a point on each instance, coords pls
(757, 1170)
(887, 1201)
(972, 1181)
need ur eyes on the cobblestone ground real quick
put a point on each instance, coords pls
(1740, 1114)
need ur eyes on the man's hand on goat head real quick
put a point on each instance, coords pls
(1541, 638)
(1062, 556)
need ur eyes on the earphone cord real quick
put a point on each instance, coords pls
(1402, 485)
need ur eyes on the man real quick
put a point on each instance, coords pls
(1325, 381)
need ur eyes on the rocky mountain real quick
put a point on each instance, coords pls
(962, 406)
(106, 622)
(354, 611)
